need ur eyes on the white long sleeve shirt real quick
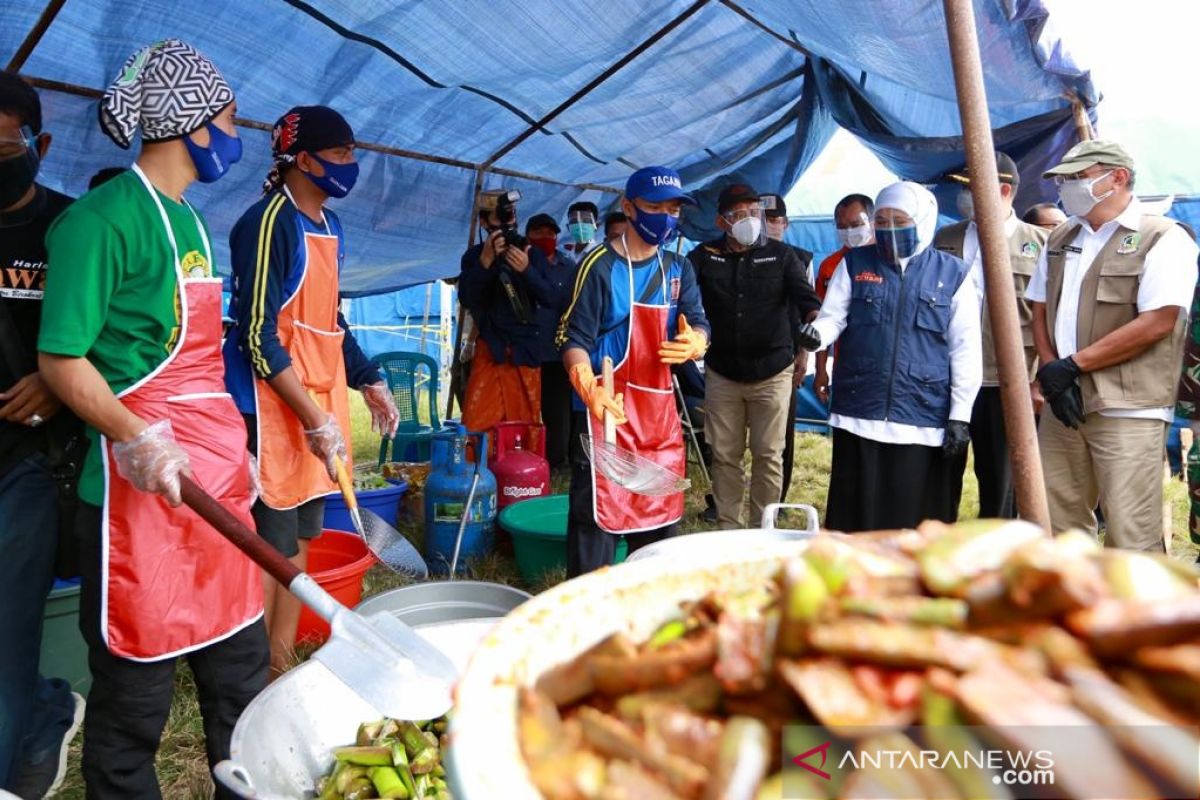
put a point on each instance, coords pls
(1168, 279)
(966, 361)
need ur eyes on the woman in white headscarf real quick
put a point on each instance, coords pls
(907, 372)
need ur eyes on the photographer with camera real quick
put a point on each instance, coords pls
(502, 283)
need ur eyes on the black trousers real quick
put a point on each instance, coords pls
(879, 486)
(130, 700)
(556, 412)
(992, 469)
(589, 547)
(789, 448)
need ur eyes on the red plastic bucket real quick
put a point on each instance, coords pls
(337, 561)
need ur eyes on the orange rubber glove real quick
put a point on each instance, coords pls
(597, 398)
(688, 345)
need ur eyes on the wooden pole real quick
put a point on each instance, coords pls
(1001, 299)
(1083, 123)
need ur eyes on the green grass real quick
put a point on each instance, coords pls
(182, 767)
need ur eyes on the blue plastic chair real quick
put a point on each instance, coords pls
(413, 381)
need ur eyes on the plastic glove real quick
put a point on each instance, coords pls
(808, 337)
(1057, 376)
(385, 417)
(153, 461)
(1068, 406)
(597, 398)
(955, 438)
(689, 344)
(255, 482)
(327, 444)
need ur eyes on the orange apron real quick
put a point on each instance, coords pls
(653, 429)
(170, 583)
(308, 329)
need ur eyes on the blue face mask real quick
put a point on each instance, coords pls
(894, 244)
(582, 232)
(214, 161)
(338, 179)
(655, 229)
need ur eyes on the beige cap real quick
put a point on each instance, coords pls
(1088, 154)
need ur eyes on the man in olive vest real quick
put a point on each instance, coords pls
(1025, 243)
(1109, 298)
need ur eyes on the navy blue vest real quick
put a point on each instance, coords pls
(893, 359)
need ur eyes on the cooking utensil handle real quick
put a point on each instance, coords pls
(462, 525)
(257, 548)
(344, 483)
(610, 425)
(771, 515)
(236, 778)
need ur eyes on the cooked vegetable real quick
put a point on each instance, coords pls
(988, 624)
(390, 759)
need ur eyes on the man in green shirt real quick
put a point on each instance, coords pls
(131, 342)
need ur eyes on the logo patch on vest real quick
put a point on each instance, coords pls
(1030, 250)
(674, 288)
(1129, 244)
(868, 277)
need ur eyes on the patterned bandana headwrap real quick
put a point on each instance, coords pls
(168, 89)
(304, 128)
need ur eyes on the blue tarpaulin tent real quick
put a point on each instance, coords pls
(558, 100)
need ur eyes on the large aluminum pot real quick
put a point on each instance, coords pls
(442, 601)
(283, 740)
(485, 761)
(731, 544)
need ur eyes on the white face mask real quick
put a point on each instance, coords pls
(855, 237)
(746, 231)
(1076, 196)
(966, 204)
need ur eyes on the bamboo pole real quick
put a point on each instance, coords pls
(1028, 480)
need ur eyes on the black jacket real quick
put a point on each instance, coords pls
(749, 298)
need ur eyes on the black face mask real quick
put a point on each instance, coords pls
(16, 176)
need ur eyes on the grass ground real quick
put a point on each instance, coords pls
(182, 768)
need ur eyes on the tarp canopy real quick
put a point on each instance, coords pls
(449, 96)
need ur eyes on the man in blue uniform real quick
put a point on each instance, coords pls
(639, 305)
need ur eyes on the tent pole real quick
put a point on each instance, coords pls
(459, 372)
(35, 35)
(425, 316)
(1083, 124)
(1002, 302)
(373, 147)
(653, 39)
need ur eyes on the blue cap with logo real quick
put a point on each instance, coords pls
(656, 185)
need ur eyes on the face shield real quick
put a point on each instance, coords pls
(581, 225)
(745, 224)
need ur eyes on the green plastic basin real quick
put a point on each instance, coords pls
(539, 530)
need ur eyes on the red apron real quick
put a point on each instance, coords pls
(308, 329)
(653, 429)
(170, 583)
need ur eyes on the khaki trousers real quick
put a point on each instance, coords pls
(1115, 460)
(731, 409)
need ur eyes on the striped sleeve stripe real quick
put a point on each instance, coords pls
(560, 337)
(266, 230)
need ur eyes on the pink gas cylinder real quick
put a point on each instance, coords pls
(521, 471)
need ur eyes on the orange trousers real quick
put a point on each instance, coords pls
(500, 392)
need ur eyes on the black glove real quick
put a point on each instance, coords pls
(955, 438)
(1068, 406)
(808, 337)
(1057, 376)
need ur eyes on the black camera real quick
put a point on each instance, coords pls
(506, 215)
